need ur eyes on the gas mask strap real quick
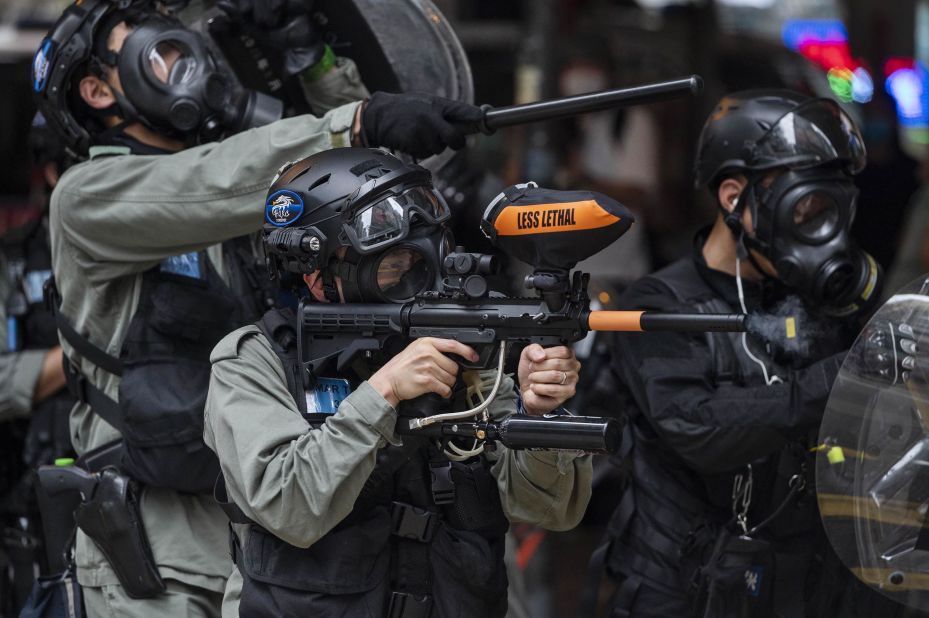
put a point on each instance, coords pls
(347, 270)
(330, 288)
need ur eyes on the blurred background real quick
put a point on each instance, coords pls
(871, 55)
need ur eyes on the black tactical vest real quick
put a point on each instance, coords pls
(184, 309)
(425, 537)
(660, 519)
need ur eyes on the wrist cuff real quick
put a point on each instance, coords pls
(323, 66)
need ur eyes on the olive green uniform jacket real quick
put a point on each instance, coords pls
(298, 483)
(114, 217)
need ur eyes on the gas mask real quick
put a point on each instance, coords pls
(173, 84)
(802, 225)
(399, 272)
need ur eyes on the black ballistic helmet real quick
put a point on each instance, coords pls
(383, 211)
(758, 130)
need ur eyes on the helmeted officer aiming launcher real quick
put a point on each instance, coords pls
(316, 471)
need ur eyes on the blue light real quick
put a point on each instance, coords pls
(862, 85)
(796, 32)
(910, 89)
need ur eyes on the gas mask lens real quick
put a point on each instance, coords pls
(389, 219)
(402, 273)
(816, 216)
(171, 63)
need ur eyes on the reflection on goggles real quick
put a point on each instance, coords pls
(402, 273)
(170, 64)
(387, 218)
(816, 215)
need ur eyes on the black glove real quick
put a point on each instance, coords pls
(280, 24)
(418, 124)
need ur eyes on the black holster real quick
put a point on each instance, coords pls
(112, 519)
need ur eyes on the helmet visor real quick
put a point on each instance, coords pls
(387, 220)
(816, 133)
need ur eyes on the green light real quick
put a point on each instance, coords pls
(64, 461)
(840, 82)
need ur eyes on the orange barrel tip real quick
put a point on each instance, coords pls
(646, 321)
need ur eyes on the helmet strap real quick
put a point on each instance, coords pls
(330, 287)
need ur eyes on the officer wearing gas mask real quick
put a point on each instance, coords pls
(148, 278)
(316, 475)
(719, 516)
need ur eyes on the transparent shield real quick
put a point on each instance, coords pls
(872, 461)
(815, 133)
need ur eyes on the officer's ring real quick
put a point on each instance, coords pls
(564, 377)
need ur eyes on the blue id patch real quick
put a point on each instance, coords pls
(41, 64)
(283, 208)
(33, 281)
(326, 397)
(753, 580)
(186, 265)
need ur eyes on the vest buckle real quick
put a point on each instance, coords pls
(414, 523)
(443, 488)
(406, 605)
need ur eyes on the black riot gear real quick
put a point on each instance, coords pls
(172, 81)
(382, 211)
(802, 216)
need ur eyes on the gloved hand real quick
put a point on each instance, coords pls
(891, 352)
(283, 25)
(417, 124)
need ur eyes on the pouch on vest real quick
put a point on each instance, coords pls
(477, 505)
(732, 576)
(344, 573)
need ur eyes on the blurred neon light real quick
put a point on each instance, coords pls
(825, 43)
(908, 84)
(896, 63)
(862, 85)
(797, 32)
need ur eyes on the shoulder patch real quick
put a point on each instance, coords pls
(228, 346)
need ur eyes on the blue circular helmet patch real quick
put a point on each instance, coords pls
(41, 65)
(283, 208)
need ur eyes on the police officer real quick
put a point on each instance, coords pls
(340, 517)
(34, 404)
(719, 515)
(149, 279)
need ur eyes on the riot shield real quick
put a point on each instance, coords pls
(872, 463)
(398, 46)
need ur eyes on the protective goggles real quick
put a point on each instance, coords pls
(387, 220)
(815, 133)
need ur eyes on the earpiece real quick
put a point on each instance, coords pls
(733, 218)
